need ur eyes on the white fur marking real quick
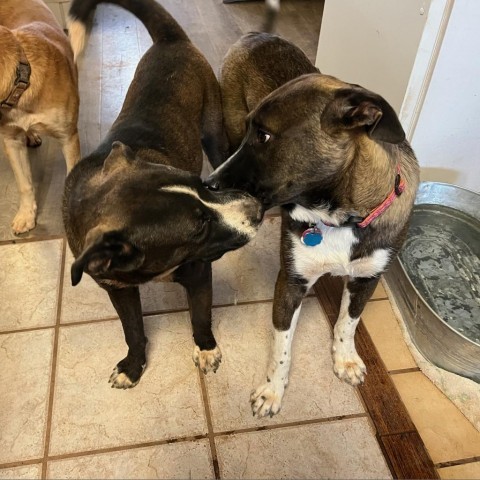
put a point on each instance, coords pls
(347, 364)
(232, 213)
(333, 254)
(267, 398)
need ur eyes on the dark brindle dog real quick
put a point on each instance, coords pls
(334, 156)
(135, 209)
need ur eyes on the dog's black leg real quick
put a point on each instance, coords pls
(126, 301)
(347, 365)
(289, 292)
(196, 277)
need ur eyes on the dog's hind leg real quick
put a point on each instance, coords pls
(347, 364)
(196, 277)
(267, 399)
(17, 153)
(128, 371)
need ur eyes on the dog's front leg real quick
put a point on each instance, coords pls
(17, 154)
(70, 149)
(289, 292)
(196, 277)
(128, 371)
(347, 364)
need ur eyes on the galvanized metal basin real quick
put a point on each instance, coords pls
(436, 278)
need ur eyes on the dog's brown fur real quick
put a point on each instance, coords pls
(250, 71)
(48, 106)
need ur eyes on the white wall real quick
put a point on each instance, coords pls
(424, 58)
(447, 135)
(372, 43)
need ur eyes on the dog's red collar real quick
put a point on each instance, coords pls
(397, 190)
(22, 82)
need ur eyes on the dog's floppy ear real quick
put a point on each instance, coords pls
(363, 109)
(106, 252)
(120, 156)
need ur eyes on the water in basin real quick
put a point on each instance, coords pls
(442, 258)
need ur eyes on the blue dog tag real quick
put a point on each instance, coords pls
(312, 236)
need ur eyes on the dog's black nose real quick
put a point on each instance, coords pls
(211, 183)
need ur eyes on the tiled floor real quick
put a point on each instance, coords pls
(59, 418)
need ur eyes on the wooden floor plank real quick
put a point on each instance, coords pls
(406, 454)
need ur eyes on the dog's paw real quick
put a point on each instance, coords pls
(266, 400)
(349, 367)
(24, 220)
(33, 140)
(207, 360)
(126, 375)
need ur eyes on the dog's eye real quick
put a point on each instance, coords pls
(262, 137)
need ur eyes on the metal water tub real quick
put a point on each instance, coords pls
(436, 278)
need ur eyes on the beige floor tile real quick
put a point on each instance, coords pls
(87, 301)
(174, 460)
(383, 327)
(243, 333)
(467, 471)
(342, 449)
(250, 272)
(447, 434)
(29, 284)
(88, 414)
(27, 472)
(25, 358)
(379, 292)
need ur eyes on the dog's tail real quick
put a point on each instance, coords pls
(160, 24)
(272, 8)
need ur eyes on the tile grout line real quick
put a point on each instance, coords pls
(454, 463)
(40, 238)
(99, 451)
(54, 362)
(145, 315)
(404, 370)
(298, 423)
(208, 416)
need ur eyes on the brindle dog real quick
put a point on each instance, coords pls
(333, 155)
(135, 209)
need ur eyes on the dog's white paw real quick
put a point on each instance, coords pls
(207, 360)
(267, 400)
(121, 380)
(24, 220)
(349, 367)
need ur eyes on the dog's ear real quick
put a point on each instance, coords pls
(363, 109)
(106, 252)
(120, 156)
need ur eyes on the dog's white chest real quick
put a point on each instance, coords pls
(333, 256)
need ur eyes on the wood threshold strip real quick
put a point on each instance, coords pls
(398, 437)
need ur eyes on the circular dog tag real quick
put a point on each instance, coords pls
(312, 236)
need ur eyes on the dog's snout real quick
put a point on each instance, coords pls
(212, 183)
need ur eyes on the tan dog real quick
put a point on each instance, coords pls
(38, 93)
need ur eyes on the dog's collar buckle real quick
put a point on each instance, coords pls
(22, 82)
